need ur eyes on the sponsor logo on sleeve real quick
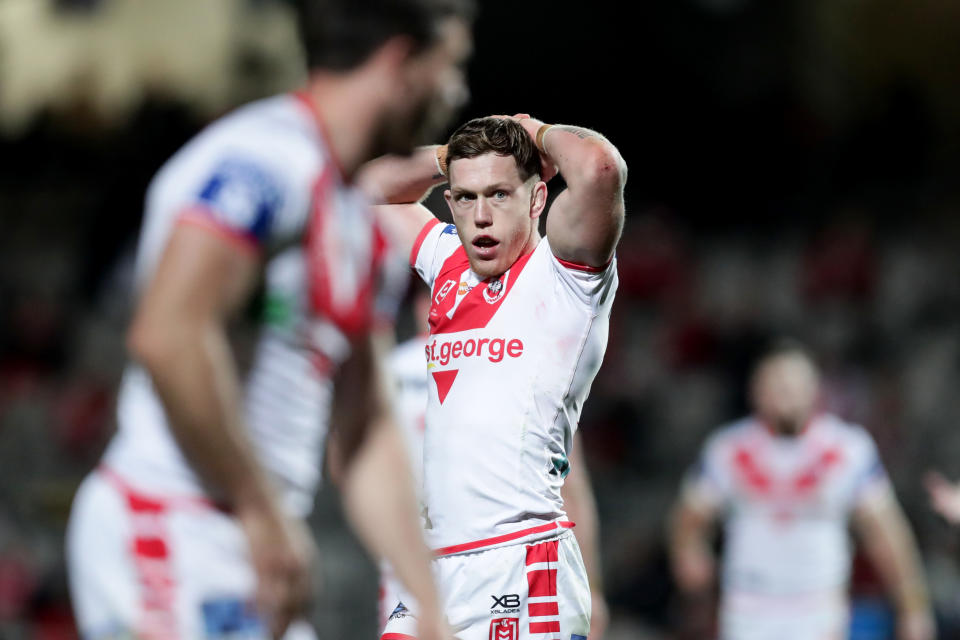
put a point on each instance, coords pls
(449, 230)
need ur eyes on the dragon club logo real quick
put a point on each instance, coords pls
(493, 291)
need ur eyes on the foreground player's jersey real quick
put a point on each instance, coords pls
(787, 502)
(264, 178)
(511, 361)
(411, 379)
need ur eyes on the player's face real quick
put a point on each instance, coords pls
(785, 392)
(431, 89)
(494, 210)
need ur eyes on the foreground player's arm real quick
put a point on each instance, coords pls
(586, 219)
(581, 508)
(889, 542)
(374, 471)
(690, 529)
(404, 179)
(179, 335)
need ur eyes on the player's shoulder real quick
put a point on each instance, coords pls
(849, 434)
(730, 434)
(595, 286)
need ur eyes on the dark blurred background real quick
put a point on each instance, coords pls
(793, 170)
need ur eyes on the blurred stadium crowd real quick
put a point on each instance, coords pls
(866, 274)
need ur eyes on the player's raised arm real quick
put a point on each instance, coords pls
(394, 179)
(585, 221)
(179, 336)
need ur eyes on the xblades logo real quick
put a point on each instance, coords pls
(509, 603)
(509, 600)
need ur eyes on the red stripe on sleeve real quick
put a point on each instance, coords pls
(198, 216)
(545, 627)
(542, 582)
(419, 241)
(583, 267)
(543, 552)
(543, 609)
(396, 636)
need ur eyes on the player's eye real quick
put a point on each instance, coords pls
(500, 195)
(464, 197)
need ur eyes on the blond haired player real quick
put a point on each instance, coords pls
(193, 527)
(786, 482)
(518, 328)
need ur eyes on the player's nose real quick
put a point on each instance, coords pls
(481, 214)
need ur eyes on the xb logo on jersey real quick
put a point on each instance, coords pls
(504, 628)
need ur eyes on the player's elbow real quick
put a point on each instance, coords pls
(150, 343)
(604, 167)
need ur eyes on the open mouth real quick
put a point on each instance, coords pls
(484, 242)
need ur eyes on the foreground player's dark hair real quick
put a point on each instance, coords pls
(340, 34)
(495, 135)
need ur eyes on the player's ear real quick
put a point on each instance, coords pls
(449, 198)
(538, 199)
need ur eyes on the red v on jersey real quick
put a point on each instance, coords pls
(444, 380)
(478, 306)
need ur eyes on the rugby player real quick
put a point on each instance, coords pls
(786, 482)
(518, 328)
(193, 526)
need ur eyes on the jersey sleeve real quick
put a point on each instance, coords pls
(239, 196)
(434, 244)
(869, 478)
(708, 481)
(590, 285)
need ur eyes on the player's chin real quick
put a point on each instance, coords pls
(485, 267)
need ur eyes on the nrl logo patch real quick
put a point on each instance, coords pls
(493, 291)
(504, 629)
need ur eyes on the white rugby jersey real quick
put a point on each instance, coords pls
(411, 380)
(787, 503)
(264, 177)
(511, 361)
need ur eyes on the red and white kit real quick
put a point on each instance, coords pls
(511, 361)
(262, 177)
(787, 502)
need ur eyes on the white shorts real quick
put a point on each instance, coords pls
(159, 567)
(535, 591)
(817, 616)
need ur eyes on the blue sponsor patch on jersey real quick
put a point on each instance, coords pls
(450, 229)
(231, 618)
(576, 637)
(243, 196)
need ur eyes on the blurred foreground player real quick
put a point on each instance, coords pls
(193, 526)
(518, 328)
(412, 380)
(786, 482)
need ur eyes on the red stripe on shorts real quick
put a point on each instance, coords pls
(543, 609)
(545, 627)
(544, 552)
(542, 582)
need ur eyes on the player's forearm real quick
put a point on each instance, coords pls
(194, 374)
(688, 540)
(380, 505)
(893, 550)
(403, 179)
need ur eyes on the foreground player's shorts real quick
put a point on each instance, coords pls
(533, 591)
(157, 568)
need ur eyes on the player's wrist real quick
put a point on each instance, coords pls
(540, 138)
(440, 156)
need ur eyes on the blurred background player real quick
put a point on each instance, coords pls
(197, 509)
(786, 482)
(412, 380)
(518, 328)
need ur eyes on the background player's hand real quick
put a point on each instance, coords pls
(599, 615)
(916, 626)
(944, 496)
(694, 571)
(282, 553)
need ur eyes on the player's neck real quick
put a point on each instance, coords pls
(346, 118)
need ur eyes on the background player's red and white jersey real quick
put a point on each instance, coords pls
(787, 503)
(264, 177)
(411, 379)
(511, 361)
